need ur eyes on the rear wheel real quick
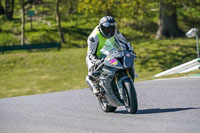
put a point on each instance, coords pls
(130, 97)
(105, 107)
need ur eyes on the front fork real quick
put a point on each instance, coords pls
(120, 86)
(128, 74)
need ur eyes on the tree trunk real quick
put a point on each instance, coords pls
(12, 8)
(168, 26)
(9, 9)
(2, 11)
(108, 10)
(59, 22)
(23, 24)
(35, 2)
(7, 6)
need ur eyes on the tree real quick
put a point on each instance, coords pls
(168, 26)
(72, 6)
(102, 7)
(59, 21)
(2, 11)
(9, 9)
(23, 23)
(34, 2)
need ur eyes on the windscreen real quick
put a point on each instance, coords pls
(110, 46)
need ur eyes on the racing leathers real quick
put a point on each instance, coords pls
(94, 57)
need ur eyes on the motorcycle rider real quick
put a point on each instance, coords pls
(106, 29)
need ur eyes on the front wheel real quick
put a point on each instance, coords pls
(130, 97)
(105, 107)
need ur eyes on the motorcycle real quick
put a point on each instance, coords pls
(116, 85)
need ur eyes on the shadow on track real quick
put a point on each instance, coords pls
(157, 110)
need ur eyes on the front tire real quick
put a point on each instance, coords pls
(130, 100)
(105, 107)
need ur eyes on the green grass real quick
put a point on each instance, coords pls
(41, 72)
(155, 56)
(27, 73)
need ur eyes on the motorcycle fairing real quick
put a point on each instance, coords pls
(128, 59)
(105, 82)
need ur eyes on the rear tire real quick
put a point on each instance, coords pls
(131, 103)
(105, 107)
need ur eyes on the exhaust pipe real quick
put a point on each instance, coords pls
(90, 84)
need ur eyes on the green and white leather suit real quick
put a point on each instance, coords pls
(96, 42)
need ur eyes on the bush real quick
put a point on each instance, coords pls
(42, 37)
(7, 39)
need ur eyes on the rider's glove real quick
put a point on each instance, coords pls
(97, 63)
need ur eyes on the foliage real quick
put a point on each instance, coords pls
(87, 6)
(136, 9)
(41, 37)
(140, 16)
(8, 39)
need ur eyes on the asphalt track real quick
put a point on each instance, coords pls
(165, 106)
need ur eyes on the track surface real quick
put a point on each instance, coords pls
(165, 106)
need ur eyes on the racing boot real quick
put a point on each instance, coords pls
(96, 90)
(93, 85)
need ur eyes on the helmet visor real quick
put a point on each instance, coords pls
(107, 24)
(108, 31)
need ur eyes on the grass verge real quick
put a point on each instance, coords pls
(43, 71)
